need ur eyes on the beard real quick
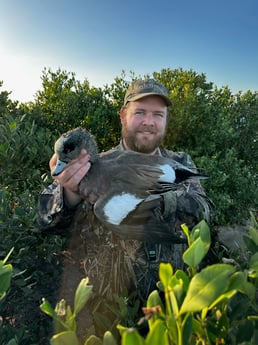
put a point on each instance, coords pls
(143, 144)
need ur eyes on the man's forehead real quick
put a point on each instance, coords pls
(153, 102)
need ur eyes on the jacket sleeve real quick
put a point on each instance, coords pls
(52, 213)
(188, 201)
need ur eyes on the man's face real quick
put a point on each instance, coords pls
(144, 124)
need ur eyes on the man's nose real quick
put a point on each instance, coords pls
(148, 120)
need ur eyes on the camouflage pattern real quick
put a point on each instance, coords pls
(113, 264)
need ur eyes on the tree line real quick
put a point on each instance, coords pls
(218, 128)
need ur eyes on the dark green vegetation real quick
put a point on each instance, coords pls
(213, 305)
(219, 129)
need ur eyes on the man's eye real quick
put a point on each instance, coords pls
(139, 113)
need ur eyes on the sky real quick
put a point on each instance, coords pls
(98, 39)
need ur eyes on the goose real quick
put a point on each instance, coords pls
(125, 187)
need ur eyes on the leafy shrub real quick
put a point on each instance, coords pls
(24, 153)
(231, 186)
(197, 307)
(5, 275)
(217, 128)
(25, 150)
(66, 103)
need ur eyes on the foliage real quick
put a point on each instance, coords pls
(231, 186)
(196, 308)
(189, 92)
(24, 153)
(6, 271)
(37, 269)
(64, 317)
(244, 123)
(6, 105)
(217, 128)
(5, 275)
(66, 103)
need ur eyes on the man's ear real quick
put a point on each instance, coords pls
(122, 114)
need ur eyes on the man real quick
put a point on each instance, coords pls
(111, 263)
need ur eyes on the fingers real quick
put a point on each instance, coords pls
(73, 173)
(52, 162)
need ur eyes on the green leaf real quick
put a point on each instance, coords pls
(12, 342)
(165, 273)
(195, 253)
(239, 282)
(158, 334)
(122, 329)
(205, 231)
(251, 246)
(65, 338)
(8, 255)
(201, 230)
(254, 234)
(225, 296)
(109, 339)
(47, 309)
(197, 326)
(177, 291)
(206, 286)
(93, 340)
(195, 234)
(153, 301)
(132, 337)
(200, 245)
(181, 275)
(82, 294)
(5, 277)
(186, 232)
(254, 262)
(187, 328)
(172, 327)
(13, 125)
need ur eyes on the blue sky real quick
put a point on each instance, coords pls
(98, 39)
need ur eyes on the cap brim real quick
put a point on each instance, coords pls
(142, 95)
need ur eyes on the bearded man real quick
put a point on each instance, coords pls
(113, 264)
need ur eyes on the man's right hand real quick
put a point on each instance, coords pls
(71, 176)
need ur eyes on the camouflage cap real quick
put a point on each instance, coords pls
(144, 88)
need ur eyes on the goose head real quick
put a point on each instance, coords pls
(69, 146)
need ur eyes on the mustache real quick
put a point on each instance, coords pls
(147, 129)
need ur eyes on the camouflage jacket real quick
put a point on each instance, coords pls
(113, 264)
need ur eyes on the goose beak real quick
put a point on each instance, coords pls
(60, 165)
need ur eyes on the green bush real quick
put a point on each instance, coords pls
(217, 128)
(5, 275)
(231, 186)
(24, 153)
(214, 305)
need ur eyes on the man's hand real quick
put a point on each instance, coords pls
(71, 176)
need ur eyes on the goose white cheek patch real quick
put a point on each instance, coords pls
(118, 207)
(168, 175)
